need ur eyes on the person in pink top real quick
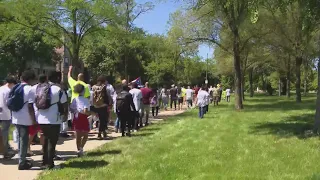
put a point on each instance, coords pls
(145, 106)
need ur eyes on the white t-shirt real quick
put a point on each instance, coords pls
(189, 94)
(22, 116)
(114, 98)
(111, 89)
(5, 113)
(137, 96)
(79, 104)
(202, 98)
(50, 115)
(228, 92)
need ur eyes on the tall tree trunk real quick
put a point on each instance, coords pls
(251, 82)
(243, 85)
(298, 78)
(279, 85)
(305, 83)
(75, 46)
(317, 115)
(237, 69)
(288, 77)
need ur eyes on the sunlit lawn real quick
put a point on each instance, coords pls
(267, 140)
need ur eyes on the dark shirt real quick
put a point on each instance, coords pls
(146, 95)
(173, 93)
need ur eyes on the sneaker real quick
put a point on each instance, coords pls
(9, 155)
(135, 130)
(26, 166)
(64, 135)
(117, 130)
(57, 158)
(80, 153)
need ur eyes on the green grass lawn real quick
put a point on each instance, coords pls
(267, 140)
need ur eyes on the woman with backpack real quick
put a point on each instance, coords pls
(80, 106)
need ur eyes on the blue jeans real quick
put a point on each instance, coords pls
(117, 124)
(23, 133)
(5, 124)
(201, 112)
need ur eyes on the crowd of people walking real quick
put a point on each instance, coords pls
(48, 107)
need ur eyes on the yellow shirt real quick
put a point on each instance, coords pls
(73, 82)
(184, 91)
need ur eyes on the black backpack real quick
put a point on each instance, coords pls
(43, 96)
(122, 104)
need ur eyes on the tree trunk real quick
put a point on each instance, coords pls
(251, 82)
(317, 115)
(237, 69)
(305, 83)
(243, 84)
(288, 77)
(75, 46)
(298, 78)
(279, 85)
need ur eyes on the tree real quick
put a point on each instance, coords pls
(68, 22)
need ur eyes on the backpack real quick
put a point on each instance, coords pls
(99, 95)
(16, 98)
(122, 105)
(43, 96)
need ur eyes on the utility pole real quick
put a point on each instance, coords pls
(207, 68)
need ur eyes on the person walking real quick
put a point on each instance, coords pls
(5, 116)
(228, 93)
(80, 106)
(50, 104)
(101, 100)
(73, 83)
(154, 103)
(189, 97)
(124, 107)
(137, 100)
(145, 106)
(202, 99)
(20, 102)
(215, 93)
(165, 98)
(180, 97)
(173, 97)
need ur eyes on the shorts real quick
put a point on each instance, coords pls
(180, 100)
(215, 98)
(81, 123)
(34, 129)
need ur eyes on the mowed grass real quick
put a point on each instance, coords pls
(267, 140)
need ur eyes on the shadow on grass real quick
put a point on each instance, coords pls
(150, 129)
(85, 164)
(103, 152)
(298, 126)
(142, 134)
(281, 105)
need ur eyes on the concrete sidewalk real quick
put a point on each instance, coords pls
(66, 149)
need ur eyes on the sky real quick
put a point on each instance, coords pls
(156, 21)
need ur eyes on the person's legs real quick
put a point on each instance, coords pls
(102, 113)
(142, 114)
(1, 143)
(5, 135)
(171, 102)
(84, 139)
(23, 133)
(152, 110)
(78, 139)
(175, 104)
(45, 146)
(117, 125)
(123, 124)
(157, 110)
(147, 108)
(51, 133)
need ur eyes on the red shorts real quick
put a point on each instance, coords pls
(34, 129)
(81, 123)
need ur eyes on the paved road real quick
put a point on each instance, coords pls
(66, 148)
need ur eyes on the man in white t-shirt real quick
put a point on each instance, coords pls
(189, 96)
(24, 118)
(137, 99)
(228, 91)
(51, 118)
(202, 101)
(5, 115)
